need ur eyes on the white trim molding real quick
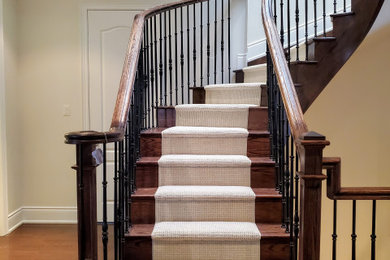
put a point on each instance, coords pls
(41, 215)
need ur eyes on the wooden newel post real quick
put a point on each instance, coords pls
(311, 177)
(86, 202)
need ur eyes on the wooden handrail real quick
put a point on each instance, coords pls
(336, 192)
(286, 84)
(122, 105)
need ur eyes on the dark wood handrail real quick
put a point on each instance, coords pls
(122, 105)
(286, 84)
(336, 192)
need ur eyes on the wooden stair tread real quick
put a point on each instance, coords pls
(157, 131)
(261, 193)
(256, 161)
(266, 230)
(342, 14)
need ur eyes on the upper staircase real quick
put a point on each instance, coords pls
(209, 169)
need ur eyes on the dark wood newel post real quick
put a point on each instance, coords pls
(86, 202)
(311, 177)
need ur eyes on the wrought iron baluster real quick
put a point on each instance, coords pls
(229, 42)
(287, 173)
(335, 6)
(152, 71)
(306, 31)
(373, 232)
(345, 6)
(334, 235)
(222, 40)
(170, 60)
(315, 18)
(354, 236)
(293, 245)
(188, 55)
(215, 40)
(182, 55)
(208, 43)
(104, 224)
(282, 22)
(296, 205)
(165, 61)
(156, 68)
(324, 16)
(194, 44)
(161, 62)
(116, 205)
(288, 33)
(176, 63)
(201, 44)
(297, 27)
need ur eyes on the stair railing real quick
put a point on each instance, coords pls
(297, 151)
(174, 50)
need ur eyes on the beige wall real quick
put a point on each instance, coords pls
(353, 113)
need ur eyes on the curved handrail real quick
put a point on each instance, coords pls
(122, 105)
(286, 84)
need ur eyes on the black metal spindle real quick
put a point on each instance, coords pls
(182, 55)
(345, 6)
(104, 224)
(161, 62)
(373, 232)
(194, 44)
(165, 61)
(152, 86)
(215, 40)
(296, 205)
(315, 18)
(324, 16)
(291, 213)
(287, 173)
(201, 44)
(176, 63)
(208, 51)
(288, 33)
(222, 40)
(306, 31)
(156, 68)
(354, 236)
(188, 55)
(120, 197)
(282, 22)
(116, 206)
(146, 77)
(229, 47)
(335, 6)
(297, 27)
(334, 235)
(170, 60)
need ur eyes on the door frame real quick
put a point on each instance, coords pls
(85, 45)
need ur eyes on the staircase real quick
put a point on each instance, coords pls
(211, 171)
(209, 181)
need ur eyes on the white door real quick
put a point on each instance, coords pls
(107, 37)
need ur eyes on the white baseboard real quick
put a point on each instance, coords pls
(41, 215)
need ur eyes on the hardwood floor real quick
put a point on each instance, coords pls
(44, 242)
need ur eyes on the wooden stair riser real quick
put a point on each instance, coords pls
(267, 210)
(270, 249)
(318, 50)
(258, 145)
(257, 118)
(274, 247)
(262, 175)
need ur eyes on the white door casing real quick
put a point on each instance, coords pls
(107, 34)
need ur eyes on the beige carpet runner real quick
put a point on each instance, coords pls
(205, 208)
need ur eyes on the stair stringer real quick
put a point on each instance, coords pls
(350, 29)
